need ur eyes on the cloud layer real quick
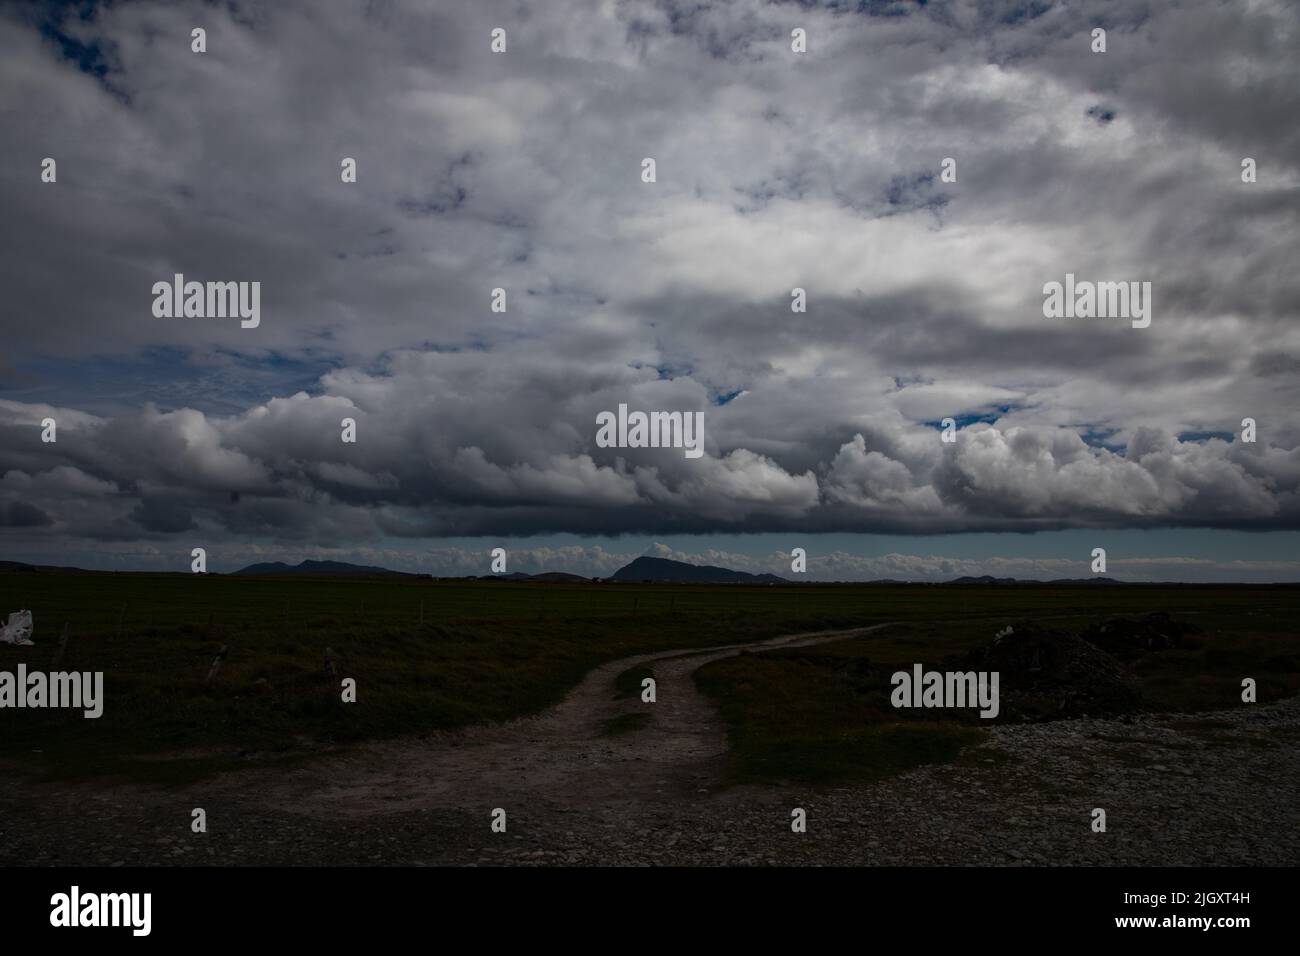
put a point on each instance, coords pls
(521, 171)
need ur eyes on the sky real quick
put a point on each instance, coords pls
(774, 170)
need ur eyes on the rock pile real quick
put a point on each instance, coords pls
(1127, 638)
(1050, 673)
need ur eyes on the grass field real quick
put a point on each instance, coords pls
(821, 714)
(492, 650)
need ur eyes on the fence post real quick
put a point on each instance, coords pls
(63, 646)
(216, 664)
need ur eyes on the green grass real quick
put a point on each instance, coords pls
(487, 651)
(821, 714)
(494, 650)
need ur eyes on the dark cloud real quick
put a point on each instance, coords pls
(17, 514)
(167, 517)
(522, 172)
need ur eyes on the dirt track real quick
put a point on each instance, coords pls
(572, 796)
(556, 759)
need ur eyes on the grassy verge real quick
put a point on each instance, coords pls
(815, 715)
(821, 714)
(431, 655)
(486, 652)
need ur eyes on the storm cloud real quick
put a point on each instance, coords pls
(522, 171)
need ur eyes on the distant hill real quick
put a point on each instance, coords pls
(21, 566)
(986, 579)
(560, 576)
(341, 568)
(642, 569)
(1094, 581)
(663, 569)
(344, 569)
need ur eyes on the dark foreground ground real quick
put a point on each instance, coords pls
(524, 698)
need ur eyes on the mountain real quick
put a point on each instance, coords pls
(561, 576)
(44, 568)
(662, 569)
(1091, 581)
(342, 568)
(1071, 582)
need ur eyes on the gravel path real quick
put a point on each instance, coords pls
(1216, 789)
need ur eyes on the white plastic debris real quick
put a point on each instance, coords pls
(18, 630)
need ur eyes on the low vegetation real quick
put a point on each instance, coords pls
(430, 655)
(822, 713)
